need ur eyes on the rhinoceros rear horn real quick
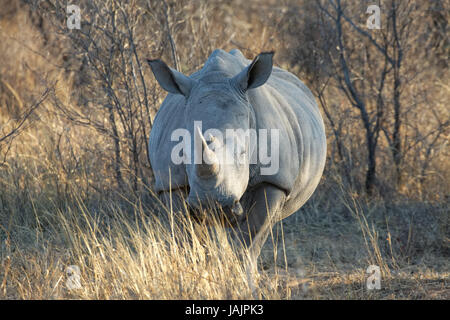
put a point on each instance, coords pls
(257, 73)
(171, 80)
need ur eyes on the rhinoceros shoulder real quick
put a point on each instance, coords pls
(167, 174)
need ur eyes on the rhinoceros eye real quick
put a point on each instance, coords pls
(244, 148)
(212, 142)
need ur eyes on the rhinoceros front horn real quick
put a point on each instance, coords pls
(210, 163)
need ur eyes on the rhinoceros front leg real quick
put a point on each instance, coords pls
(264, 212)
(174, 200)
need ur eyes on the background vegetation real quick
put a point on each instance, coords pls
(76, 109)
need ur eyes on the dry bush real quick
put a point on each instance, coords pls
(374, 93)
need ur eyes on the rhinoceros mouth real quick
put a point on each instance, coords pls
(230, 215)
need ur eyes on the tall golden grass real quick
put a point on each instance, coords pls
(125, 249)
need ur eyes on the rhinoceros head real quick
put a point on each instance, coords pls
(219, 119)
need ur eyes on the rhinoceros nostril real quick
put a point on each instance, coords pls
(236, 209)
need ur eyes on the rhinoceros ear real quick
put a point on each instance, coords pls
(171, 80)
(256, 74)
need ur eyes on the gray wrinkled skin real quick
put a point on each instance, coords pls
(233, 92)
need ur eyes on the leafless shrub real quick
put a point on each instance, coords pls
(19, 122)
(378, 76)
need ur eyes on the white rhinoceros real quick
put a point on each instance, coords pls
(230, 97)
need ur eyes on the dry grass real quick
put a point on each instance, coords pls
(123, 254)
(126, 251)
